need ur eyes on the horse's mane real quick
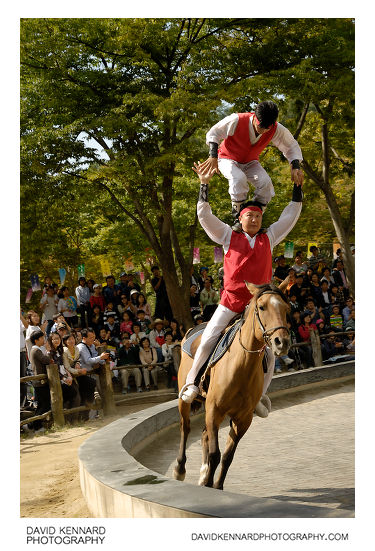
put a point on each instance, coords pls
(270, 287)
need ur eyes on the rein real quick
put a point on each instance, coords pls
(266, 333)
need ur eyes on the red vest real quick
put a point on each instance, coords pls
(244, 263)
(239, 147)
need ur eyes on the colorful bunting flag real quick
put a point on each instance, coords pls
(28, 295)
(62, 275)
(309, 253)
(81, 270)
(196, 255)
(289, 249)
(142, 277)
(106, 269)
(35, 283)
(218, 255)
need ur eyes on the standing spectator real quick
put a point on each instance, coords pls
(209, 299)
(97, 298)
(335, 318)
(339, 257)
(123, 284)
(71, 397)
(132, 285)
(157, 338)
(339, 276)
(34, 325)
(83, 382)
(67, 306)
(195, 307)
(167, 351)
(315, 257)
(315, 290)
(299, 267)
(90, 285)
(129, 355)
(142, 304)
(48, 305)
(149, 358)
(281, 270)
(23, 359)
(162, 306)
(83, 301)
(111, 291)
(97, 321)
(39, 360)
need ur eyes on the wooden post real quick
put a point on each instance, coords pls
(316, 348)
(106, 387)
(56, 395)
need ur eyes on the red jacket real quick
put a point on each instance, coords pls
(239, 147)
(241, 262)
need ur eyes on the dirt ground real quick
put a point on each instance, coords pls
(50, 486)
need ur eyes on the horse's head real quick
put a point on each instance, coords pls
(270, 309)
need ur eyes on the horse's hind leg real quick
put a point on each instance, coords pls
(235, 434)
(204, 466)
(179, 470)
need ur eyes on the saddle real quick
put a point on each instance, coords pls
(223, 343)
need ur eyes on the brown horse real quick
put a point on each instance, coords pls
(236, 381)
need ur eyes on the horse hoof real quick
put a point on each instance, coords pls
(178, 476)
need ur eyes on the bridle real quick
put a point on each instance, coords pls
(266, 333)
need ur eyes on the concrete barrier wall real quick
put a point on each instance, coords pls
(115, 485)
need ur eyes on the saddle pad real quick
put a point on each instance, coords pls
(224, 342)
(191, 335)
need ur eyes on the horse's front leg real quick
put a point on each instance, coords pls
(179, 470)
(236, 432)
(210, 440)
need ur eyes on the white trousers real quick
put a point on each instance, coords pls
(238, 176)
(219, 321)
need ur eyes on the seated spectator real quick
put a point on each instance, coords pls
(113, 326)
(306, 327)
(149, 358)
(142, 304)
(209, 299)
(348, 309)
(83, 301)
(78, 335)
(39, 360)
(111, 292)
(67, 306)
(299, 289)
(48, 305)
(198, 319)
(314, 312)
(71, 397)
(34, 325)
(325, 302)
(157, 339)
(133, 298)
(62, 329)
(301, 355)
(126, 305)
(327, 277)
(110, 310)
(331, 346)
(195, 307)
(350, 324)
(137, 335)
(177, 331)
(129, 355)
(350, 342)
(281, 270)
(97, 298)
(203, 273)
(292, 281)
(97, 319)
(89, 358)
(335, 318)
(167, 351)
(295, 306)
(307, 278)
(105, 339)
(299, 266)
(145, 323)
(323, 327)
(127, 322)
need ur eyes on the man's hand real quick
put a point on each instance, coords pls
(297, 176)
(205, 175)
(210, 164)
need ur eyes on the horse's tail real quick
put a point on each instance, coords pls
(196, 405)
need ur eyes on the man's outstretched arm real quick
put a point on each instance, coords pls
(288, 218)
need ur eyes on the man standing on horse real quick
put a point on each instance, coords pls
(244, 136)
(248, 257)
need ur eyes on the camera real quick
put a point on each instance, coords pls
(112, 355)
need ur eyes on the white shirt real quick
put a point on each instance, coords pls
(221, 233)
(51, 309)
(282, 138)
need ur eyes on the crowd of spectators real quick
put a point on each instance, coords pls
(71, 326)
